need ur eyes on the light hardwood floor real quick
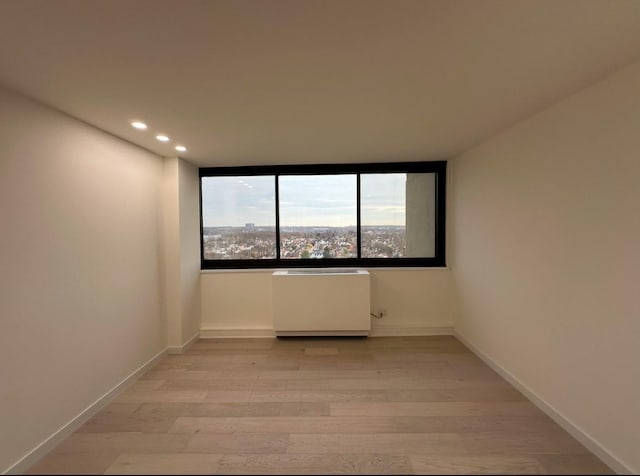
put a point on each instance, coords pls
(388, 405)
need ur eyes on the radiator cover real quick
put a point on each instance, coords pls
(321, 302)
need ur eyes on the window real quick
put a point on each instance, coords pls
(238, 217)
(386, 214)
(318, 216)
(398, 212)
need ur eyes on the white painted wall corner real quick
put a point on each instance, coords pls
(31, 458)
(574, 430)
(181, 349)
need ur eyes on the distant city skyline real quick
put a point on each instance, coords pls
(305, 200)
(229, 242)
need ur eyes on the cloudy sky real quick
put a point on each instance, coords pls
(305, 200)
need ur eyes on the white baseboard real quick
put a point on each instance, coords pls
(322, 333)
(410, 331)
(181, 349)
(212, 333)
(574, 430)
(51, 442)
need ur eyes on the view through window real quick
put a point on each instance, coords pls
(318, 216)
(238, 217)
(383, 215)
(377, 214)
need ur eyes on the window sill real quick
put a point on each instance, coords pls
(271, 270)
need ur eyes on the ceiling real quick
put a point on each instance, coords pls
(311, 81)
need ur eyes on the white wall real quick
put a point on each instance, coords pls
(416, 301)
(80, 288)
(189, 185)
(546, 258)
(171, 247)
(181, 238)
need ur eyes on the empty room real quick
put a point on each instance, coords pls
(319, 236)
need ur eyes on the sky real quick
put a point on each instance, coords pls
(305, 200)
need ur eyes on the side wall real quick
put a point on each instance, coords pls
(189, 205)
(414, 301)
(546, 259)
(181, 235)
(80, 284)
(171, 243)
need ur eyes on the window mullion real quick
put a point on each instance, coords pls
(276, 178)
(358, 231)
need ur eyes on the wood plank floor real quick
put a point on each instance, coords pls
(388, 405)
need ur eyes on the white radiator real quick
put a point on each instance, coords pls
(323, 302)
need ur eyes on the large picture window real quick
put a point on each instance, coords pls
(385, 214)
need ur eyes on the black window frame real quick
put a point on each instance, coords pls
(439, 168)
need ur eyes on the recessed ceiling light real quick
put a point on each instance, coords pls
(139, 125)
(162, 138)
(181, 148)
